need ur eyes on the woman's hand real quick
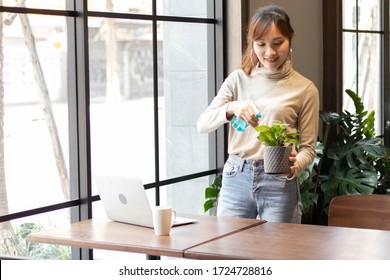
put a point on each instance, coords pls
(293, 159)
(243, 110)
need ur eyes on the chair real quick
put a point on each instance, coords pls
(360, 211)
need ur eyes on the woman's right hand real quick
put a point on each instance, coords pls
(243, 110)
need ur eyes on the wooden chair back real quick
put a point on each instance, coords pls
(360, 211)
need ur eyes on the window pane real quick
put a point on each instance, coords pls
(14, 234)
(370, 74)
(184, 85)
(349, 61)
(186, 197)
(349, 14)
(369, 15)
(35, 158)
(121, 82)
(121, 6)
(39, 4)
(186, 8)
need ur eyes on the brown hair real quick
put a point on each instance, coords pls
(261, 22)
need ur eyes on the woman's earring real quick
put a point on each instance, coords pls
(290, 56)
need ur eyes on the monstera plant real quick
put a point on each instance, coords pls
(356, 162)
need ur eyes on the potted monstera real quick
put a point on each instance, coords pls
(277, 146)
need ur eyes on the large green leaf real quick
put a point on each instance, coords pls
(309, 199)
(356, 153)
(359, 107)
(339, 149)
(374, 147)
(350, 181)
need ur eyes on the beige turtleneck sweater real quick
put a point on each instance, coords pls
(285, 96)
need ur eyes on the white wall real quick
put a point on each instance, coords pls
(306, 19)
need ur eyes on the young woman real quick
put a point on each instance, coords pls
(265, 83)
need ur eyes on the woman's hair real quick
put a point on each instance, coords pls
(261, 22)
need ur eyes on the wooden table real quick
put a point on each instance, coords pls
(109, 235)
(280, 241)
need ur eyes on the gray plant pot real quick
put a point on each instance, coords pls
(276, 159)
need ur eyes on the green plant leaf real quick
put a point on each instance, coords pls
(309, 199)
(350, 181)
(373, 147)
(359, 107)
(276, 134)
(209, 204)
(330, 117)
(211, 193)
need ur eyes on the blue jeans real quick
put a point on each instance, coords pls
(248, 192)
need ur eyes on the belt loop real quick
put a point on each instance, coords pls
(242, 165)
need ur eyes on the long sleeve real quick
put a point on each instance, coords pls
(308, 128)
(215, 114)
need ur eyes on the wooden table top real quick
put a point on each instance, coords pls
(280, 241)
(109, 235)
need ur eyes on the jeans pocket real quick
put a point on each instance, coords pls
(230, 169)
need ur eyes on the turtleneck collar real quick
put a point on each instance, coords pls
(283, 71)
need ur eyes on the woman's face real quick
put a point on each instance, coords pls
(272, 48)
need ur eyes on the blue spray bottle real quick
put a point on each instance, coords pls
(240, 125)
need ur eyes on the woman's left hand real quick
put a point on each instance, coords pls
(293, 159)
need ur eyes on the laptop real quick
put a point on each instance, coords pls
(124, 200)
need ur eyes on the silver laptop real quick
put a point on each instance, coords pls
(124, 200)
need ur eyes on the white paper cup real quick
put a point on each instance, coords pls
(163, 218)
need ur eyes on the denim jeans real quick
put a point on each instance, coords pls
(248, 192)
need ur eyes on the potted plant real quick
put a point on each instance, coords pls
(354, 162)
(278, 146)
(211, 195)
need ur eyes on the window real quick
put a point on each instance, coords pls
(116, 91)
(356, 56)
(362, 37)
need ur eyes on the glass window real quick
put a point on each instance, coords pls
(361, 14)
(184, 79)
(186, 197)
(349, 60)
(186, 8)
(349, 14)
(369, 15)
(39, 4)
(132, 110)
(362, 55)
(35, 159)
(120, 6)
(13, 236)
(122, 105)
